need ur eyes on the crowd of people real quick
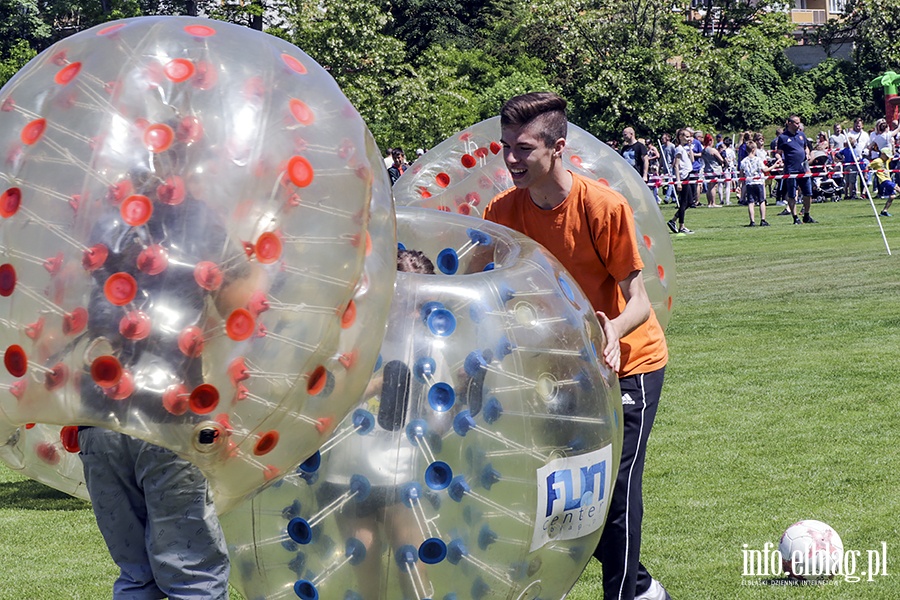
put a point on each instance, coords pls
(840, 165)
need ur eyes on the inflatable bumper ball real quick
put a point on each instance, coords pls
(480, 460)
(187, 210)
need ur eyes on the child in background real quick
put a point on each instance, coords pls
(754, 169)
(883, 183)
(850, 160)
(654, 181)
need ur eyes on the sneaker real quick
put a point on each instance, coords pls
(780, 203)
(885, 213)
(672, 226)
(797, 221)
(655, 592)
(684, 230)
(763, 223)
(784, 213)
(808, 219)
(752, 224)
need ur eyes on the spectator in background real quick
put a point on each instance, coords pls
(838, 139)
(883, 183)
(792, 147)
(389, 158)
(850, 167)
(399, 165)
(713, 167)
(635, 153)
(883, 136)
(822, 142)
(754, 168)
(859, 135)
(687, 190)
(668, 158)
(730, 168)
(697, 165)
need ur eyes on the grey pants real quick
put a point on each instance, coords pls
(157, 518)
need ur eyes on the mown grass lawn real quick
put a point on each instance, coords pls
(781, 403)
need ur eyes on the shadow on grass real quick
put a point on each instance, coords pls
(31, 495)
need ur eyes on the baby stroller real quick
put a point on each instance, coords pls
(825, 188)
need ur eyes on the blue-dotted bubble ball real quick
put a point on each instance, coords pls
(480, 460)
(194, 228)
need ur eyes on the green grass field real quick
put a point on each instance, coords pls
(781, 403)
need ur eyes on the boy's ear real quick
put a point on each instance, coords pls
(558, 147)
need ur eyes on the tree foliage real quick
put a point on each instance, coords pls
(419, 70)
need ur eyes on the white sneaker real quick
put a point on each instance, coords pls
(655, 592)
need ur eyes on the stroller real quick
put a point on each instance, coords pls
(827, 183)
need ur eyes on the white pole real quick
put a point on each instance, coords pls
(865, 186)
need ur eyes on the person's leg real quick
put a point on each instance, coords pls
(120, 510)
(184, 538)
(762, 211)
(619, 547)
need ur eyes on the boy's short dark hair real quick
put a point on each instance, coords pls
(547, 107)
(414, 261)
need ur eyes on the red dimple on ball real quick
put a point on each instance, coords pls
(136, 210)
(300, 171)
(189, 130)
(208, 275)
(179, 70)
(468, 161)
(301, 112)
(33, 131)
(153, 260)
(317, 380)
(74, 322)
(120, 288)
(266, 443)
(603, 181)
(237, 370)
(48, 453)
(204, 399)
(68, 435)
(106, 371)
(111, 29)
(293, 64)
(56, 377)
(15, 360)
(10, 202)
(442, 179)
(648, 242)
(67, 73)
(172, 191)
(349, 316)
(268, 248)
(123, 389)
(135, 325)
(495, 147)
(190, 341)
(158, 138)
(240, 324)
(200, 30)
(8, 279)
(176, 399)
(576, 160)
(661, 271)
(480, 152)
(94, 257)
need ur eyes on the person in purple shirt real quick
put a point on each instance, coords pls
(792, 147)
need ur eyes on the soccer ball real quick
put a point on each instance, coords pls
(811, 550)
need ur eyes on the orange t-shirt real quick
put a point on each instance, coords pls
(592, 234)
